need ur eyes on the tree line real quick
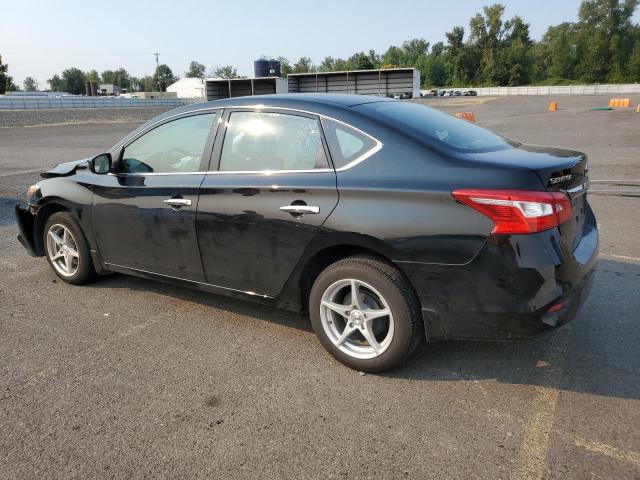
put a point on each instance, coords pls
(72, 80)
(603, 46)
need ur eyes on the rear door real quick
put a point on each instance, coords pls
(271, 189)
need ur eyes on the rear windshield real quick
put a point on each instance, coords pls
(439, 128)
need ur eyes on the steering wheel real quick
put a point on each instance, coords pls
(170, 155)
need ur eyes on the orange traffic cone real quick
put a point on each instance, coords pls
(468, 116)
(553, 106)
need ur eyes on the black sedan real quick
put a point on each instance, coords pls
(389, 222)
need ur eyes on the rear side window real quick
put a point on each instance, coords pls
(256, 141)
(345, 143)
(441, 129)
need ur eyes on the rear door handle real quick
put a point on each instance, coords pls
(178, 202)
(300, 209)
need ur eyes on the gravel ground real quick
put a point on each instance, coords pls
(127, 378)
(35, 118)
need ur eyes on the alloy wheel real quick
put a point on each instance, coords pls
(62, 250)
(356, 318)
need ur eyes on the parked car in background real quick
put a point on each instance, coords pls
(470, 93)
(388, 222)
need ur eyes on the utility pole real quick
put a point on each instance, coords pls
(157, 65)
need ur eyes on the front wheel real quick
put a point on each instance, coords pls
(67, 249)
(365, 313)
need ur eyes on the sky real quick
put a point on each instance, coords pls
(41, 37)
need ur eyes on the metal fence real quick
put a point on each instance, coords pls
(10, 102)
(559, 90)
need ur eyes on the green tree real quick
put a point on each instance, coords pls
(73, 79)
(135, 84)
(108, 77)
(414, 50)
(360, 61)
(634, 62)
(163, 77)
(304, 65)
(148, 84)
(331, 64)
(557, 52)
(56, 84)
(30, 84)
(516, 54)
(487, 33)
(604, 39)
(196, 70)
(226, 71)
(6, 81)
(285, 67)
(393, 56)
(92, 76)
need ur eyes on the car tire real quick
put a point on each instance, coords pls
(345, 327)
(67, 249)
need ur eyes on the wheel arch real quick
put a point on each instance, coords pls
(54, 204)
(44, 212)
(328, 251)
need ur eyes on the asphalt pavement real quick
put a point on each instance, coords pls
(128, 378)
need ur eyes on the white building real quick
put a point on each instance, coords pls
(188, 88)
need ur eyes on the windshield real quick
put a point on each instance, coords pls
(442, 129)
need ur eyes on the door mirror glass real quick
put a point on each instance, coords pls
(101, 164)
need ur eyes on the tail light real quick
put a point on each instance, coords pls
(518, 211)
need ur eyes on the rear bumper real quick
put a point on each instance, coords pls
(25, 220)
(507, 290)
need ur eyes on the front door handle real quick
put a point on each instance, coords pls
(300, 209)
(178, 202)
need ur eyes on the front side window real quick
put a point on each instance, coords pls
(174, 147)
(345, 143)
(257, 141)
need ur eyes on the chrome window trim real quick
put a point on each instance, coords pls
(248, 292)
(122, 144)
(378, 145)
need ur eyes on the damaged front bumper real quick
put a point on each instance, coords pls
(26, 221)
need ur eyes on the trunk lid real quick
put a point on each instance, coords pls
(559, 170)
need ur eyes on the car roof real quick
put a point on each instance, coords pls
(299, 100)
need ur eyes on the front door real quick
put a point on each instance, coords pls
(144, 214)
(272, 191)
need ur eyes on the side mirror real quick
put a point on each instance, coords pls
(101, 164)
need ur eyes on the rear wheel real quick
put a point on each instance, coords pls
(67, 249)
(365, 314)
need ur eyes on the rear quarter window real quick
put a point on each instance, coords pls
(346, 144)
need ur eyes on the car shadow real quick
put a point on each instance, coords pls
(595, 354)
(220, 302)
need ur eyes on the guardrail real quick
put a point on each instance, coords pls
(558, 90)
(19, 103)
